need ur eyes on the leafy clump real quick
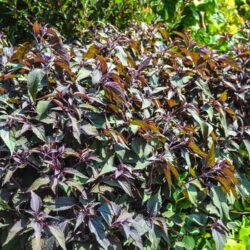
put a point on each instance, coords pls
(211, 22)
(137, 139)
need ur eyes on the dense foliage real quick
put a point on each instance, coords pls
(208, 20)
(136, 139)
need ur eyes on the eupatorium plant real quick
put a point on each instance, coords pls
(137, 140)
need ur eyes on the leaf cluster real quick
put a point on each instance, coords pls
(211, 22)
(133, 140)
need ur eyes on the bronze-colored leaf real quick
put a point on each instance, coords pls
(93, 50)
(36, 28)
(230, 175)
(167, 174)
(195, 149)
(103, 64)
(231, 113)
(173, 170)
(210, 159)
(223, 96)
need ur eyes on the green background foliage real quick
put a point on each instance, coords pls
(207, 19)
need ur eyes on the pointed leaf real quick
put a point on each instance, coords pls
(36, 202)
(58, 234)
(17, 227)
(9, 139)
(219, 238)
(195, 149)
(62, 203)
(210, 159)
(42, 108)
(34, 82)
(38, 183)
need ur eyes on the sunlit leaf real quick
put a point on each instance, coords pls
(16, 228)
(58, 234)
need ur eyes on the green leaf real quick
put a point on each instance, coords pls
(154, 204)
(199, 219)
(96, 76)
(3, 225)
(74, 172)
(189, 242)
(34, 82)
(39, 132)
(106, 213)
(108, 166)
(9, 138)
(126, 187)
(247, 144)
(89, 129)
(76, 128)
(210, 159)
(244, 234)
(58, 234)
(62, 203)
(192, 194)
(219, 200)
(97, 228)
(38, 183)
(4, 205)
(121, 54)
(83, 74)
(42, 108)
(17, 227)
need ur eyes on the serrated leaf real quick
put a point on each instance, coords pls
(108, 166)
(38, 229)
(154, 204)
(106, 213)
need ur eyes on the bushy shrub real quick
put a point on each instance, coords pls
(134, 140)
(207, 19)
(69, 17)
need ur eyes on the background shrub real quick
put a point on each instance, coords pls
(207, 19)
(135, 139)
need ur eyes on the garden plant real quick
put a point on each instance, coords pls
(134, 136)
